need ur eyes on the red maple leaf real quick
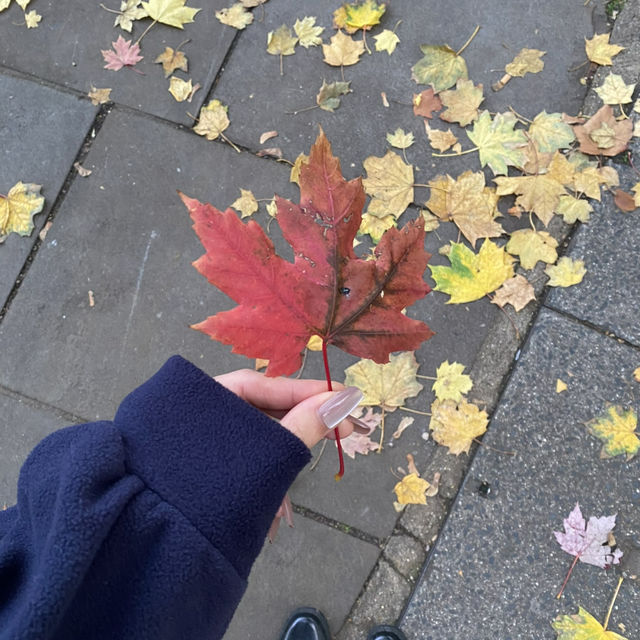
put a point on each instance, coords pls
(352, 303)
(124, 54)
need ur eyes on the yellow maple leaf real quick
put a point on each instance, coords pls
(441, 67)
(526, 61)
(471, 275)
(636, 193)
(411, 489)
(170, 12)
(617, 430)
(281, 42)
(308, 32)
(532, 246)
(272, 209)
(473, 207)
(516, 291)
(295, 170)
(440, 140)
(614, 90)
(235, 16)
(566, 273)
(99, 96)
(636, 374)
(386, 41)
(32, 19)
(246, 204)
(550, 132)
(462, 102)
(130, 11)
(18, 207)
(172, 60)
(180, 89)
(561, 386)
(400, 139)
(352, 17)
(572, 209)
(212, 120)
(588, 182)
(451, 383)
(457, 425)
(343, 50)
(390, 181)
(582, 626)
(375, 225)
(385, 385)
(600, 51)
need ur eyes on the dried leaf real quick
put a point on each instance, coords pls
(212, 120)
(425, 103)
(180, 89)
(385, 385)
(614, 90)
(355, 16)
(531, 246)
(246, 204)
(358, 443)
(170, 12)
(32, 19)
(440, 140)
(588, 540)
(636, 374)
(499, 144)
(457, 425)
(308, 32)
(402, 426)
(281, 42)
(302, 159)
(235, 16)
(386, 41)
(352, 303)
(619, 133)
(124, 54)
(400, 139)
(343, 50)
(566, 273)
(18, 207)
(526, 61)
(582, 626)
(561, 386)
(462, 102)
(516, 291)
(550, 132)
(267, 135)
(572, 209)
(451, 383)
(172, 60)
(624, 201)
(441, 67)
(600, 51)
(390, 181)
(99, 96)
(130, 10)
(471, 275)
(411, 490)
(617, 430)
(376, 226)
(82, 172)
(328, 97)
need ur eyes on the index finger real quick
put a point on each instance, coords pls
(272, 394)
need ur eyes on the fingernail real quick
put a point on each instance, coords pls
(338, 407)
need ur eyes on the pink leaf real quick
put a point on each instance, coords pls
(124, 54)
(358, 443)
(588, 540)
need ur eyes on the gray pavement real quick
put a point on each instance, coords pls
(94, 308)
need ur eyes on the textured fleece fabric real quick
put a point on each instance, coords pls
(147, 526)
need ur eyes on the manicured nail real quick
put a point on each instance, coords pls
(338, 407)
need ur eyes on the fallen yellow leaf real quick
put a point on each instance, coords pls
(582, 626)
(516, 291)
(451, 383)
(566, 273)
(440, 140)
(526, 61)
(343, 50)
(462, 102)
(172, 60)
(617, 430)
(411, 490)
(170, 12)
(386, 41)
(600, 51)
(400, 139)
(390, 181)
(32, 19)
(235, 16)
(375, 226)
(353, 17)
(308, 32)
(572, 209)
(457, 425)
(99, 96)
(441, 67)
(246, 204)
(213, 120)
(180, 89)
(532, 246)
(561, 386)
(18, 207)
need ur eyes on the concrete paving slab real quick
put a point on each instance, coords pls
(496, 567)
(73, 35)
(261, 101)
(22, 426)
(309, 565)
(42, 130)
(609, 294)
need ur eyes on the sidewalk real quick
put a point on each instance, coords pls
(95, 307)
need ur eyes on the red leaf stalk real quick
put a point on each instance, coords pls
(327, 373)
(564, 584)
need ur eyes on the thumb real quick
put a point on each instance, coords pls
(314, 418)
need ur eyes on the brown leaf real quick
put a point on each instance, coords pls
(517, 292)
(267, 135)
(425, 103)
(624, 201)
(275, 152)
(601, 122)
(172, 60)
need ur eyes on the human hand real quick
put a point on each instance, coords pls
(304, 407)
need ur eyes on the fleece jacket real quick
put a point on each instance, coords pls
(146, 526)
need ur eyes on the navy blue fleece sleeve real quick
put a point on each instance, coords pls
(147, 526)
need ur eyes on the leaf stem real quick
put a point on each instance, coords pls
(422, 413)
(144, 33)
(297, 111)
(229, 142)
(327, 374)
(564, 584)
(425, 377)
(281, 69)
(364, 40)
(453, 155)
(468, 42)
(488, 446)
(613, 600)
(110, 10)
(379, 449)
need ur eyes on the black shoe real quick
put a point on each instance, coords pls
(386, 632)
(306, 623)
